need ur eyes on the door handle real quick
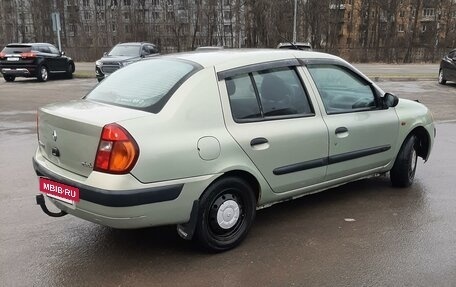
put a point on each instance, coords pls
(258, 141)
(340, 130)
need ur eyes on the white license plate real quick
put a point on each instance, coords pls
(12, 59)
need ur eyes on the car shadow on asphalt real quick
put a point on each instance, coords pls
(352, 200)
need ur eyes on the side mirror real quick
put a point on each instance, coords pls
(62, 53)
(105, 54)
(390, 100)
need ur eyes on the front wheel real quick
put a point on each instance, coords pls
(442, 80)
(43, 74)
(227, 211)
(70, 71)
(404, 168)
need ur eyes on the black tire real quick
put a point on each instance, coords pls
(43, 74)
(404, 168)
(442, 80)
(70, 71)
(218, 229)
(9, 78)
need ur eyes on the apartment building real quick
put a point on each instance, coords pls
(424, 28)
(90, 27)
(359, 30)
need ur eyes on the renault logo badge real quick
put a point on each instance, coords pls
(54, 135)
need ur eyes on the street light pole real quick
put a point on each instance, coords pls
(56, 23)
(294, 20)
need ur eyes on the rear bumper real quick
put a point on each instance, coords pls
(121, 201)
(19, 72)
(123, 198)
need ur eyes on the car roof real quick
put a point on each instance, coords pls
(231, 58)
(28, 44)
(298, 44)
(135, 43)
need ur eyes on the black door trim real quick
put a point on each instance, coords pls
(329, 160)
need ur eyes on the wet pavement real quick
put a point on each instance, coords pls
(364, 233)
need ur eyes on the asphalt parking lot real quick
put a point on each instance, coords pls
(364, 233)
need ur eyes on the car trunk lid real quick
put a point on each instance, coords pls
(69, 133)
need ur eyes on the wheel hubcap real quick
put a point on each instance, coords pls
(225, 215)
(228, 214)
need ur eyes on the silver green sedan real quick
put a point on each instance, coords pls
(203, 140)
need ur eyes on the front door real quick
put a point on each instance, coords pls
(362, 134)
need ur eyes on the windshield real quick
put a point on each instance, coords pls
(144, 85)
(125, 50)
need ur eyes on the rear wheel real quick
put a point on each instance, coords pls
(403, 171)
(43, 74)
(9, 78)
(227, 212)
(442, 80)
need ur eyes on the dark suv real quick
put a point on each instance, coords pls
(34, 60)
(122, 55)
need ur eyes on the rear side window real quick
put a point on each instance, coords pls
(44, 49)
(267, 94)
(144, 85)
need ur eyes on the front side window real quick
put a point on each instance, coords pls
(267, 94)
(341, 90)
(144, 85)
(53, 50)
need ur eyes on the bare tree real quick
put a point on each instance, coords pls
(412, 33)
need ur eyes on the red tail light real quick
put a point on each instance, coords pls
(28, 55)
(117, 151)
(2, 55)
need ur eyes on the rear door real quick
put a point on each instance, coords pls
(271, 116)
(362, 134)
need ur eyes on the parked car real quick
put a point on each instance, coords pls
(447, 70)
(37, 60)
(203, 140)
(305, 46)
(122, 55)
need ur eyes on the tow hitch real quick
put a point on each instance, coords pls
(40, 201)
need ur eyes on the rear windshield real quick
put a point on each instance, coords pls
(145, 85)
(125, 50)
(16, 49)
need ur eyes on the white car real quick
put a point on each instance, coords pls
(203, 140)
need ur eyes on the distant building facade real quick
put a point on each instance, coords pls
(359, 30)
(90, 27)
